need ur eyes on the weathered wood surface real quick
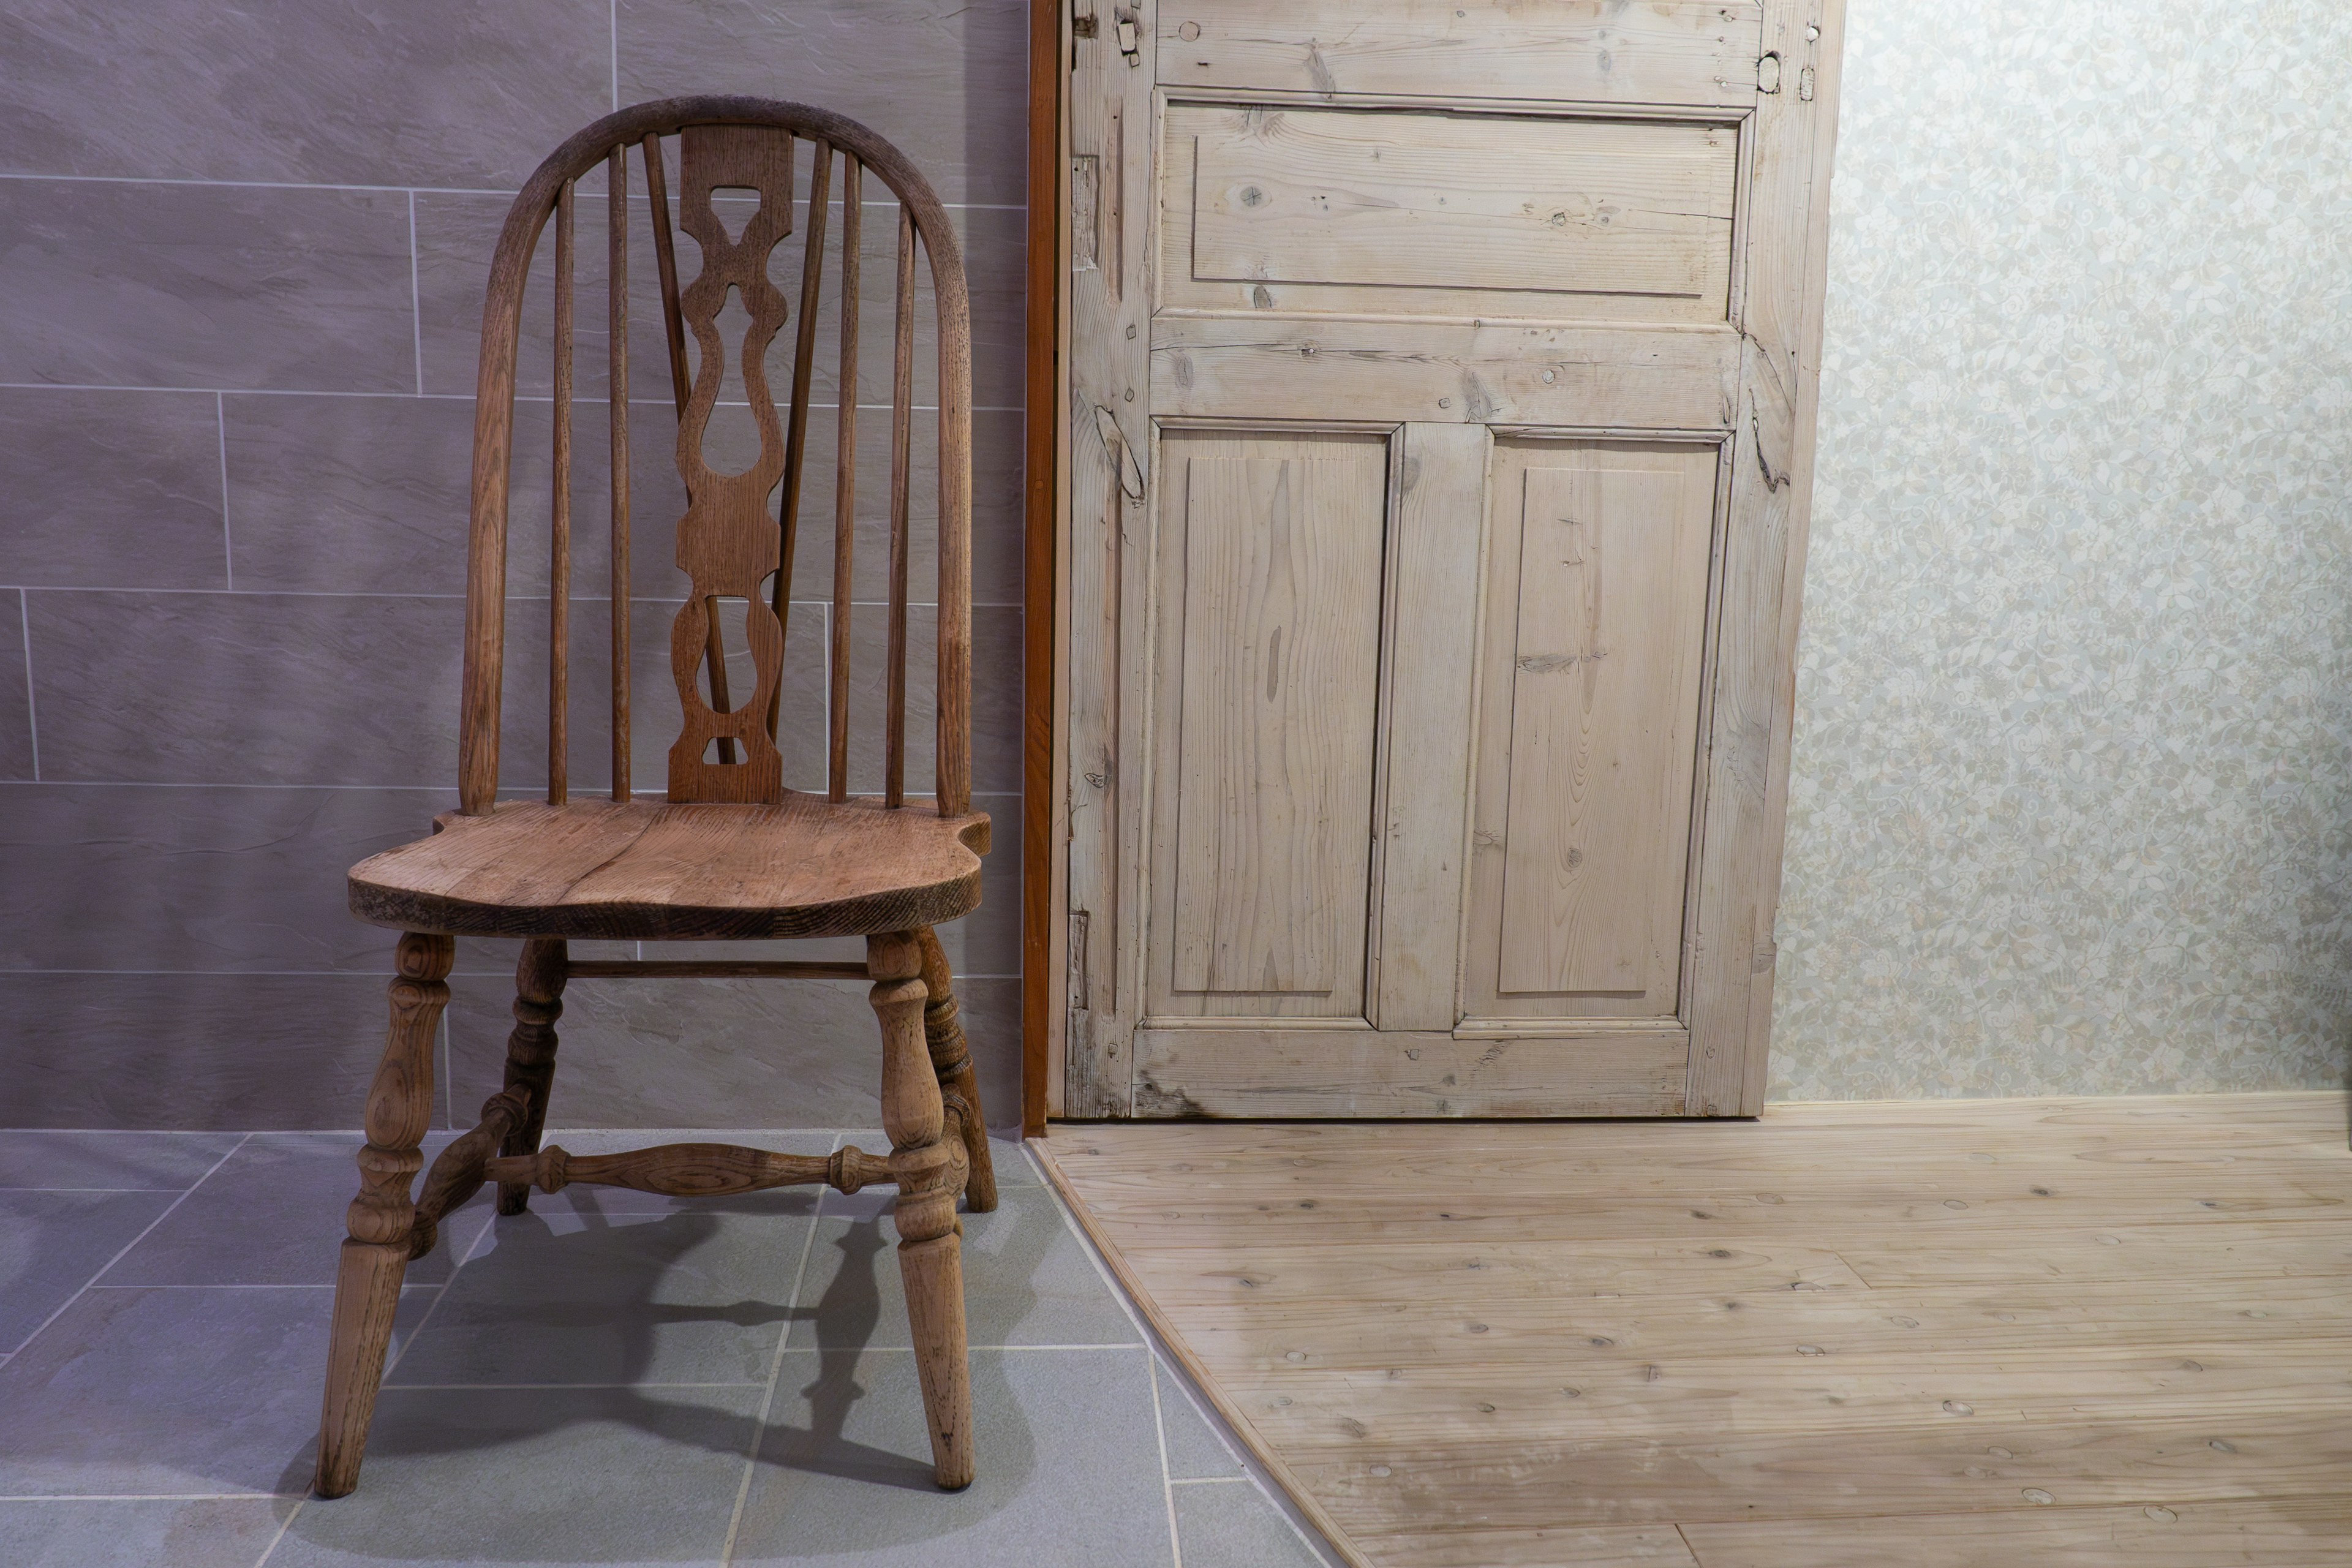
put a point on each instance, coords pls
(1961, 1332)
(1334, 211)
(1696, 52)
(647, 869)
(1546, 222)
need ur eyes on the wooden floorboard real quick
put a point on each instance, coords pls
(2065, 1331)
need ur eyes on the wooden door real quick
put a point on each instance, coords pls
(1440, 395)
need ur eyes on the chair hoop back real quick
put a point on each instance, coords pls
(738, 534)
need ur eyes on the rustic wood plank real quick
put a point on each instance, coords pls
(1211, 367)
(1272, 636)
(2270, 1532)
(1696, 52)
(1441, 215)
(1619, 1070)
(1840, 1322)
(1440, 506)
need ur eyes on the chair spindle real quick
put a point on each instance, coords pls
(559, 549)
(665, 261)
(845, 493)
(616, 202)
(804, 358)
(902, 396)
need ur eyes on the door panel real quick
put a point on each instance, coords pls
(1429, 214)
(1439, 399)
(1589, 699)
(1271, 624)
(1700, 52)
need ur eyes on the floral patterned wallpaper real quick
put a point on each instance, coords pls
(2071, 805)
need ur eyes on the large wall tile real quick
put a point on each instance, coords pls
(247, 688)
(372, 92)
(720, 1053)
(133, 284)
(16, 692)
(110, 489)
(947, 83)
(374, 494)
(152, 878)
(254, 1051)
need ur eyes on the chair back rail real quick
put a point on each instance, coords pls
(739, 529)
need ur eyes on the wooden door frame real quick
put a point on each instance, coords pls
(1040, 724)
(1807, 37)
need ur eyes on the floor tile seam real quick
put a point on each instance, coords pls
(776, 1368)
(168, 1209)
(551, 1387)
(284, 1526)
(439, 1295)
(148, 1496)
(1159, 1437)
(1207, 1480)
(157, 1190)
(227, 1285)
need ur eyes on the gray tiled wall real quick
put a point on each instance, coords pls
(243, 263)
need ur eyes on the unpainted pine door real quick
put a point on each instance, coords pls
(1440, 401)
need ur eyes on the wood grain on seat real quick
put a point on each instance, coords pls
(644, 869)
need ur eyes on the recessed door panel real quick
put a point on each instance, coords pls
(1285, 209)
(1595, 633)
(1270, 631)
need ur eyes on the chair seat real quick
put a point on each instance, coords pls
(641, 870)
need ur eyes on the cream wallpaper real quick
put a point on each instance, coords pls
(2071, 805)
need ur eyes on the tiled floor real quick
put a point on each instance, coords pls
(611, 1378)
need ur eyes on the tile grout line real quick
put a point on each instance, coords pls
(168, 1210)
(1160, 1436)
(146, 1496)
(1207, 1480)
(32, 707)
(385, 190)
(776, 1368)
(228, 541)
(291, 1515)
(415, 295)
(614, 38)
(439, 397)
(392, 1363)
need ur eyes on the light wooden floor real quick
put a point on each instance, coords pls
(1963, 1333)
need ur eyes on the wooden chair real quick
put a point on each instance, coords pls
(730, 853)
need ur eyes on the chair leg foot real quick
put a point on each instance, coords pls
(933, 1272)
(383, 1216)
(367, 1294)
(931, 1170)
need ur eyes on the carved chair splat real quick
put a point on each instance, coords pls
(728, 852)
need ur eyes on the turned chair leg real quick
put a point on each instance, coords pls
(930, 1170)
(951, 1064)
(367, 1281)
(530, 1050)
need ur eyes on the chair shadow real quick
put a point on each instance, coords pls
(546, 1278)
